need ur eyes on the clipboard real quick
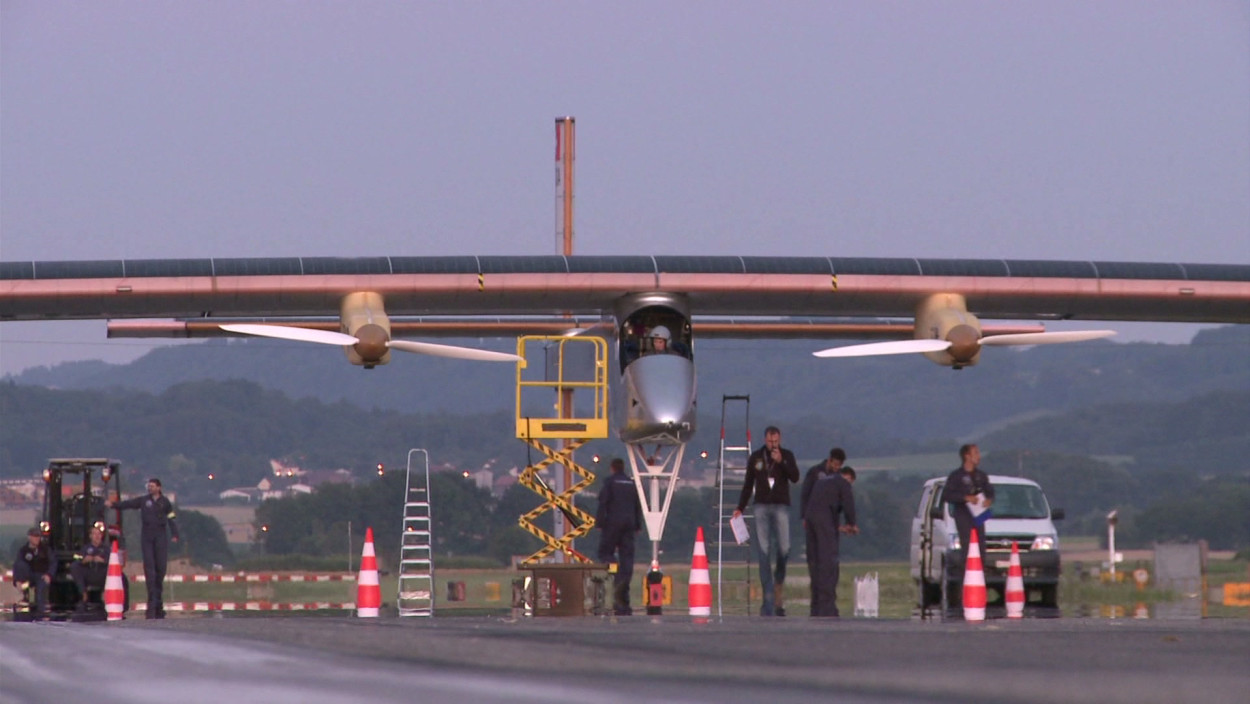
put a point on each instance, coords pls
(739, 526)
(980, 512)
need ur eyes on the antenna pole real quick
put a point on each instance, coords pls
(565, 154)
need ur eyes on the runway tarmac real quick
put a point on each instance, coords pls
(493, 659)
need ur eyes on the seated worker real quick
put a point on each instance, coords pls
(91, 568)
(34, 566)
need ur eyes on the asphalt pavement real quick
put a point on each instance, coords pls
(639, 658)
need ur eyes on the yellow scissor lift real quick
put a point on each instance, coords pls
(575, 370)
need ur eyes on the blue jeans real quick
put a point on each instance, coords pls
(772, 527)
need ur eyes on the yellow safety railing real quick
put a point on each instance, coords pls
(579, 378)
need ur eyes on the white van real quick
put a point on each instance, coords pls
(1021, 515)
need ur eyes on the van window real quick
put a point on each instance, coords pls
(924, 502)
(1019, 501)
(937, 502)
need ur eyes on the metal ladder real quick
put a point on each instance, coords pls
(416, 548)
(731, 471)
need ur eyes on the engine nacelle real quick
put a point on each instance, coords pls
(945, 316)
(363, 315)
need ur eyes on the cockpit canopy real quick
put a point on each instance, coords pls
(654, 330)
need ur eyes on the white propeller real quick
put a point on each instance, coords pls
(283, 332)
(593, 327)
(1045, 338)
(917, 346)
(881, 348)
(452, 351)
(326, 337)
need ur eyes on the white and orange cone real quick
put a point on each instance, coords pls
(1015, 584)
(114, 589)
(368, 591)
(974, 582)
(700, 594)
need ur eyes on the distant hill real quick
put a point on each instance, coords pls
(1205, 436)
(908, 399)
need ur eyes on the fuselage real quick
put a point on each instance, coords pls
(655, 403)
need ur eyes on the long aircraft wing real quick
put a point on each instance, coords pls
(588, 286)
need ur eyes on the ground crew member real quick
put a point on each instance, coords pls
(34, 567)
(837, 456)
(91, 566)
(831, 497)
(156, 514)
(618, 518)
(965, 487)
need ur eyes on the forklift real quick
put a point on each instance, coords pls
(75, 490)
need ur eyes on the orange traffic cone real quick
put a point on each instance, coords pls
(974, 582)
(1015, 584)
(368, 591)
(114, 590)
(700, 594)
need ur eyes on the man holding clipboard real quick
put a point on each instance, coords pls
(970, 494)
(770, 472)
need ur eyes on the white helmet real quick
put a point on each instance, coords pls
(661, 332)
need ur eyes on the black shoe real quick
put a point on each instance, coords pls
(780, 611)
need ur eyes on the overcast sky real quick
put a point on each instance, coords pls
(1047, 130)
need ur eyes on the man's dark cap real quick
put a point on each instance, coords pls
(34, 531)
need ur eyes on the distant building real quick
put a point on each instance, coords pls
(285, 480)
(483, 479)
(316, 477)
(502, 485)
(19, 493)
(242, 495)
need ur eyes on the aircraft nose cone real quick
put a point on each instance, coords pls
(660, 397)
(372, 345)
(965, 343)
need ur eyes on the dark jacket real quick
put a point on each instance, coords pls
(618, 503)
(32, 562)
(961, 484)
(154, 514)
(809, 481)
(760, 468)
(830, 496)
(101, 551)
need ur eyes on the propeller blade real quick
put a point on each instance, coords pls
(601, 325)
(283, 332)
(452, 351)
(880, 348)
(1044, 338)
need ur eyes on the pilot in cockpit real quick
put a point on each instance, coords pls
(659, 336)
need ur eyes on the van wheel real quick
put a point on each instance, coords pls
(1050, 596)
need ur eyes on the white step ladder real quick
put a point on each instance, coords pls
(416, 548)
(735, 449)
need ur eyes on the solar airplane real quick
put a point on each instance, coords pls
(363, 304)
